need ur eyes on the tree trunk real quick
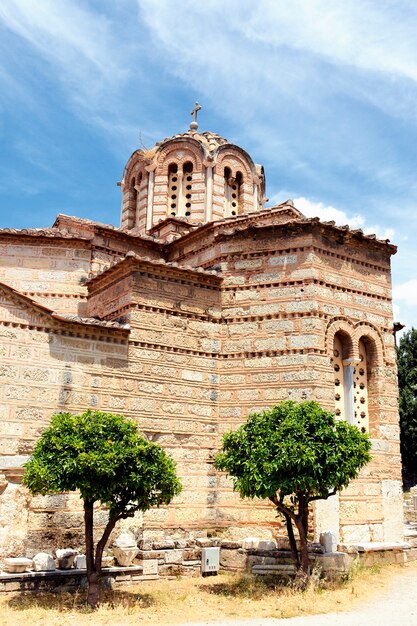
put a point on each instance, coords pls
(293, 543)
(102, 543)
(93, 591)
(302, 527)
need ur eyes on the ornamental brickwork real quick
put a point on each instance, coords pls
(198, 310)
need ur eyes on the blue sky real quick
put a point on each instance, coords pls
(323, 94)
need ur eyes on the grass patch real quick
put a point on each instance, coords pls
(177, 601)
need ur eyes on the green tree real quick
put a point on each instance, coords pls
(293, 453)
(104, 457)
(407, 383)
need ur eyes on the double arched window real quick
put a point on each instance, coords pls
(351, 381)
(180, 181)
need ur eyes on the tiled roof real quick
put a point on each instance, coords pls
(155, 262)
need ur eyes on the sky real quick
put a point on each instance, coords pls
(322, 93)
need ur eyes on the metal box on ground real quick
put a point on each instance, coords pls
(210, 561)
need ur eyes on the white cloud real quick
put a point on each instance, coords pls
(343, 31)
(259, 49)
(406, 292)
(66, 35)
(76, 54)
(330, 213)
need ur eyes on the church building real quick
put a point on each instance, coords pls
(204, 305)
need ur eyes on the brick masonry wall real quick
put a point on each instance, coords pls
(50, 271)
(203, 353)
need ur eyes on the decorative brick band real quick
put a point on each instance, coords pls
(219, 355)
(98, 334)
(123, 311)
(307, 281)
(294, 249)
(47, 294)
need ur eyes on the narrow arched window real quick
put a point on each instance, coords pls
(173, 190)
(344, 372)
(228, 185)
(339, 385)
(237, 199)
(361, 389)
(233, 186)
(133, 201)
(187, 188)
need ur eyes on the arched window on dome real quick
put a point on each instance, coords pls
(239, 194)
(233, 186)
(173, 185)
(179, 190)
(187, 186)
(133, 202)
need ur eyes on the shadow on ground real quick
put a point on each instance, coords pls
(245, 587)
(77, 601)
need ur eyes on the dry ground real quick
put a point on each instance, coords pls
(167, 602)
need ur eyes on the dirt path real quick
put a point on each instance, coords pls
(396, 605)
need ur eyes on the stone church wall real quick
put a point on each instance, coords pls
(44, 369)
(48, 270)
(187, 329)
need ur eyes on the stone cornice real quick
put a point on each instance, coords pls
(132, 262)
(66, 323)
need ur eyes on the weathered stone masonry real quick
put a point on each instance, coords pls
(199, 309)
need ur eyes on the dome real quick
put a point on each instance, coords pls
(208, 140)
(196, 176)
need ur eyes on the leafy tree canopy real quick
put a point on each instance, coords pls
(104, 457)
(293, 447)
(407, 382)
(293, 454)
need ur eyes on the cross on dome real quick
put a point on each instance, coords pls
(194, 124)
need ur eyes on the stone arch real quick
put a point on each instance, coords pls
(344, 329)
(179, 152)
(237, 160)
(135, 164)
(372, 338)
(373, 352)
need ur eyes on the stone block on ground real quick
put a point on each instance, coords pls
(81, 561)
(334, 563)
(125, 556)
(43, 562)
(66, 557)
(233, 559)
(16, 565)
(149, 567)
(328, 540)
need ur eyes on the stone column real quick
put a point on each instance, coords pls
(149, 208)
(209, 193)
(181, 198)
(348, 380)
(255, 197)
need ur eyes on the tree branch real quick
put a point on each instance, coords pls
(102, 543)
(282, 508)
(332, 493)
